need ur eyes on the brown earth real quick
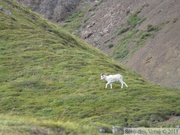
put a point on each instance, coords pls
(158, 60)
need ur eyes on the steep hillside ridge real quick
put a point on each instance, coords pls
(50, 82)
(159, 59)
(127, 30)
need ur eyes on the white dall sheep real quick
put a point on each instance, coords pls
(113, 78)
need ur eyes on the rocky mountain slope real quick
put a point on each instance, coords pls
(142, 34)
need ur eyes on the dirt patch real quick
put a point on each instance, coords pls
(172, 120)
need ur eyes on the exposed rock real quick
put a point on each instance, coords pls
(86, 34)
(117, 130)
(103, 130)
(56, 10)
(5, 10)
(90, 25)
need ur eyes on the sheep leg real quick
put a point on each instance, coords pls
(125, 84)
(111, 85)
(121, 83)
(107, 84)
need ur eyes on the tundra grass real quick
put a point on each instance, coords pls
(48, 75)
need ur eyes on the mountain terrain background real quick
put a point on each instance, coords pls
(142, 34)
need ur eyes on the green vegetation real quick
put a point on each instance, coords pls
(80, 18)
(132, 21)
(175, 20)
(132, 38)
(110, 45)
(50, 82)
(73, 22)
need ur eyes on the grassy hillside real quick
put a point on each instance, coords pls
(50, 82)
